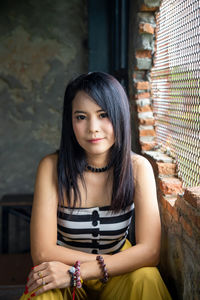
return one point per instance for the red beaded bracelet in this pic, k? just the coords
(100, 260)
(74, 272)
(76, 281)
(77, 274)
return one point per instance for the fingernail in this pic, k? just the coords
(33, 295)
(34, 267)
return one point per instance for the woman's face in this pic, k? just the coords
(92, 127)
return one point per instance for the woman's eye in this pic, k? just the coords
(103, 115)
(81, 117)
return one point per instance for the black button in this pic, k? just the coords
(95, 233)
(94, 251)
(95, 218)
(95, 215)
(94, 223)
(95, 244)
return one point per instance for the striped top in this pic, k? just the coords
(93, 230)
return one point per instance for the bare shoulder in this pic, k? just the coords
(139, 161)
(46, 180)
(140, 165)
(49, 162)
(47, 168)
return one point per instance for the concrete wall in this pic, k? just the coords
(43, 45)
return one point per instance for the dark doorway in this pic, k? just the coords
(108, 37)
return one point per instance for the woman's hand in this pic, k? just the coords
(48, 276)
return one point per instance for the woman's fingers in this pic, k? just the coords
(36, 276)
(48, 275)
(40, 282)
(43, 289)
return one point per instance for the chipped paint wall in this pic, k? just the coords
(42, 46)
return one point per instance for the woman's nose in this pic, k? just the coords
(93, 126)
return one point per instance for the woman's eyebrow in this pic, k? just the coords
(79, 112)
(84, 112)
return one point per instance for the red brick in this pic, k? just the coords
(175, 228)
(143, 7)
(145, 95)
(147, 121)
(140, 75)
(144, 108)
(192, 195)
(166, 168)
(195, 220)
(170, 186)
(142, 85)
(166, 218)
(143, 54)
(147, 132)
(186, 226)
(147, 146)
(146, 28)
(163, 201)
(171, 209)
(188, 210)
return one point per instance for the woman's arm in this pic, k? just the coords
(44, 219)
(51, 261)
(44, 232)
(147, 226)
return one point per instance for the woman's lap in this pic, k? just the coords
(142, 284)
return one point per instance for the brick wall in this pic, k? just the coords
(180, 217)
(179, 207)
(144, 50)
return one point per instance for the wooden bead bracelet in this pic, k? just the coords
(100, 260)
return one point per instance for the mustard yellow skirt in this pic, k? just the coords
(142, 284)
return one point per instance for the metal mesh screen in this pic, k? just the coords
(175, 80)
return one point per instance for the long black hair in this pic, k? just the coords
(108, 93)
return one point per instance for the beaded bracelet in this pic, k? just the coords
(77, 274)
(74, 272)
(71, 272)
(76, 281)
(100, 260)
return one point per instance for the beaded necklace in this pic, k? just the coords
(97, 170)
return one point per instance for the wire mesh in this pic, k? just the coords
(175, 81)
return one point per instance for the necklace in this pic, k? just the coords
(97, 170)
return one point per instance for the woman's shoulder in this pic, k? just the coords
(138, 160)
(140, 164)
(48, 162)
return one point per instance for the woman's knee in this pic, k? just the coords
(147, 283)
(144, 275)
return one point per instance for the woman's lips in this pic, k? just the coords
(93, 141)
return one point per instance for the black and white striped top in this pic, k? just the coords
(93, 230)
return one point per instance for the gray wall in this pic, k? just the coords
(43, 44)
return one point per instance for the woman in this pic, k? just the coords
(83, 203)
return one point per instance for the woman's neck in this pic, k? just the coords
(98, 161)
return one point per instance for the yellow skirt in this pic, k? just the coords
(142, 284)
